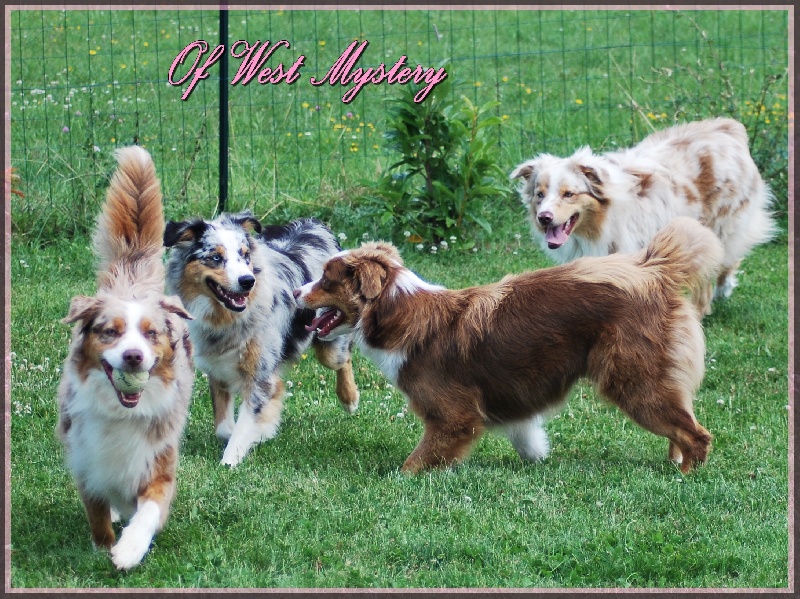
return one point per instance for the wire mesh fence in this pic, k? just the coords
(83, 82)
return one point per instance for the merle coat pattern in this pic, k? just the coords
(237, 279)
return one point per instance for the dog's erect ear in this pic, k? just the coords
(82, 308)
(370, 276)
(246, 221)
(173, 304)
(523, 171)
(183, 232)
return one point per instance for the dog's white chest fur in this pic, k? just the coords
(388, 361)
(110, 451)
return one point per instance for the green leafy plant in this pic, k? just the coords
(448, 168)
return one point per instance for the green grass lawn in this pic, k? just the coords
(324, 504)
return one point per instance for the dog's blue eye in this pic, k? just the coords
(540, 195)
(568, 194)
(216, 258)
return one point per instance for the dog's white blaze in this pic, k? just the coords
(408, 282)
(304, 291)
(132, 339)
(235, 264)
(137, 536)
(529, 438)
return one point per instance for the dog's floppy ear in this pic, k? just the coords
(370, 275)
(591, 174)
(173, 304)
(246, 221)
(184, 231)
(524, 170)
(82, 308)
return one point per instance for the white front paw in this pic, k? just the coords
(137, 536)
(130, 550)
(233, 455)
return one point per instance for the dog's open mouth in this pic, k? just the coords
(232, 301)
(128, 400)
(327, 320)
(557, 236)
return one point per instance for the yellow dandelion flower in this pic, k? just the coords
(375, 146)
(113, 140)
(123, 66)
(651, 116)
(478, 84)
(528, 90)
(505, 79)
(92, 52)
(321, 42)
(419, 43)
(146, 45)
(306, 104)
(505, 117)
(578, 101)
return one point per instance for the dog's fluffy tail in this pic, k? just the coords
(687, 253)
(130, 230)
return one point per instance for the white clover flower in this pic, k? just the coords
(342, 236)
(406, 234)
(420, 247)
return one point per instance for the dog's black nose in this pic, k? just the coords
(545, 218)
(132, 357)
(246, 282)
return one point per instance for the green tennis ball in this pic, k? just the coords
(130, 382)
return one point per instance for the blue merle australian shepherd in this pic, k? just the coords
(236, 278)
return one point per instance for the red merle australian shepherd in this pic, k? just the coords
(499, 355)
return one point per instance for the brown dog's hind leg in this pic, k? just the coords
(689, 441)
(336, 356)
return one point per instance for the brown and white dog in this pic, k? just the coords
(594, 205)
(127, 381)
(500, 355)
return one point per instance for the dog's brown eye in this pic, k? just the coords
(568, 194)
(109, 333)
(540, 195)
(152, 334)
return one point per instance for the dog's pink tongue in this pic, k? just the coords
(556, 236)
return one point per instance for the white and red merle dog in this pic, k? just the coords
(127, 381)
(237, 277)
(593, 205)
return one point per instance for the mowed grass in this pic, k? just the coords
(324, 505)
